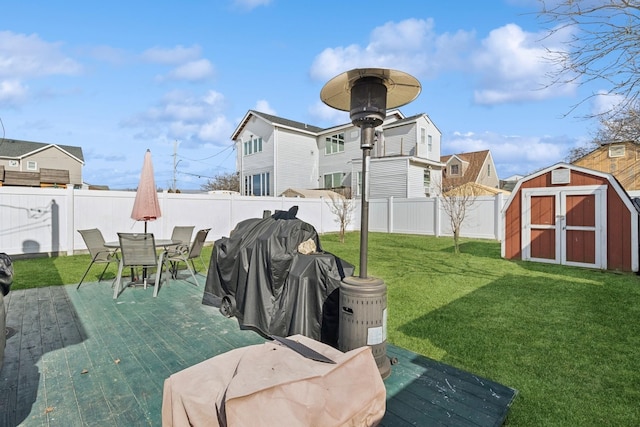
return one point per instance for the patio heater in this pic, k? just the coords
(367, 93)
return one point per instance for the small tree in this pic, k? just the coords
(456, 202)
(227, 181)
(342, 207)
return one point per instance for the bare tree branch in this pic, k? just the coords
(229, 182)
(603, 46)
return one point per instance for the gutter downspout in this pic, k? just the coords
(240, 152)
(275, 160)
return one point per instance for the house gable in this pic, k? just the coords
(476, 167)
(621, 159)
(40, 164)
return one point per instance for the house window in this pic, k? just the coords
(427, 182)
(488, 170)
(616, 151)
(13, 163)
(32, 165)
(257, 185)
(334, 144)
(430, 144)
(423, 136)
(254, 145)
(455, 169)
(333, 180)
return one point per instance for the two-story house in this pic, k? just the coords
(476, 168)
(276, 154)
(36, 164)
(620, 159)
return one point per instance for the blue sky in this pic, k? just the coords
(119, 77)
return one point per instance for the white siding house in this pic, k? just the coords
(276, 154)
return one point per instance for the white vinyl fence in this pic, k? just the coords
(40, 220)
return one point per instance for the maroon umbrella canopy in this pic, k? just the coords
(146, 206)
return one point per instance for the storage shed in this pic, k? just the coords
(566, 214)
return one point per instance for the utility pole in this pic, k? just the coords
(175, 164)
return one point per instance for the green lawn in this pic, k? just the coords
(568, 339)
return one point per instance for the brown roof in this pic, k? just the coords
(475, 160)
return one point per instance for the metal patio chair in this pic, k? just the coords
(139, 250)
(182, 233)
(100, 254)
(188, 254)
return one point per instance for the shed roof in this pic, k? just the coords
(610, 178)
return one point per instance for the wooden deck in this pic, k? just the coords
(80, 358)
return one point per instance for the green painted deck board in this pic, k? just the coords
(129, 346)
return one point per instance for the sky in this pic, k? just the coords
(117, 78)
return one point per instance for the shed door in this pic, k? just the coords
(565, 226)
(579, 229)
(542, 229)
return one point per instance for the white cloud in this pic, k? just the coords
(605, 102)
(322, 112)
(410, 45)
(172, 56)
(193, 120)
(509, 65)
(192, 71)
(513, 154)
(514, 66)
(248, 5)
(23, 56)
(12, 92)
(264, 107)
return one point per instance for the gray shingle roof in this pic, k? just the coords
(16, 148)
(287, 122)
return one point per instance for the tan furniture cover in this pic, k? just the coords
(271, 385)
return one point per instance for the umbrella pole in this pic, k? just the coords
(144, 269)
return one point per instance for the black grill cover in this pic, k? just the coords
(277, 290)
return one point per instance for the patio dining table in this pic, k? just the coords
(159, 243)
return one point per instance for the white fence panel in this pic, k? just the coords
(378, 215)
(31, 222)
(414, 216)
(37, 220)
(480, 219)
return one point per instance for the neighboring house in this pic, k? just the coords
(620, 159)
(275, 154)
(509, 183)
(475, 189)
(304, 193)
(36, 164)
(476, 167)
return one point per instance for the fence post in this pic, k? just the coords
(497, 207)
(70, 209)
(390, 209)
(436, 217)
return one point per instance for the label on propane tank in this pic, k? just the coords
(375, 336)
(378, 335)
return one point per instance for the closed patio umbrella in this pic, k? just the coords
(146, 206)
